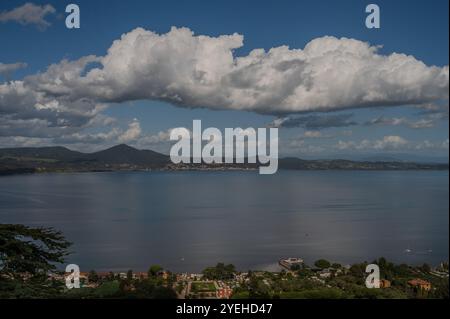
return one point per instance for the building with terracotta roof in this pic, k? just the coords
(420, 284)
(384, 283)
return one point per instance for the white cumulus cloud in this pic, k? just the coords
(29, 13)
(189, 70)
(201, 71)
(7, 69)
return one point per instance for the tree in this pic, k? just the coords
(304, 273)
(220, 272)
(441, 290)
(163, 293)
(129, 275)
(110, 276)
(31, 254)
(322, 264)
(258, 289)
(93, 276)
(154, 270)
(425, 268)
(144, 288)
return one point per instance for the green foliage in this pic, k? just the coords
(241, 295)
(27, 255)
(320, 293)
(107, 290)
(163, 293)
(129, 275)
(31, 251)
(425, 268)
(200, 286)
(258, 289)
(154, 270)
(322, 264)
(220, 272)
(305, 273)
(93, 276)
(441, 290)
(336, 266)
(144, 288)
(35, 287)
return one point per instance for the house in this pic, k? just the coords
(163, 274)
(105, 274)
(223, 291)
(241, 277)
(123, 275)
(325, 273)
(196, 276)
(182, 277)
(420, 284)
(384, 283)
(291, 263)
(141, 275)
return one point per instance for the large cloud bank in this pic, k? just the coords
(187, 70)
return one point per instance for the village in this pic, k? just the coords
(294, 280)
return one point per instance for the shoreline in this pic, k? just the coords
(31, 171)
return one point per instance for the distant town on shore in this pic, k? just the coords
(296, 280)
(126, 158)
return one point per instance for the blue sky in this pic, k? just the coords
(417, 28)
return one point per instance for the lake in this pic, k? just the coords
(186, 221)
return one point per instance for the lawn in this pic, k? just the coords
(200, 286)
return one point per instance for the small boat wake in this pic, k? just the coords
(418, 252)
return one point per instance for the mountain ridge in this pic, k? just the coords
(125, 157)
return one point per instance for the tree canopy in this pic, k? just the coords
(322, 264)
(27, 256)
(220, 272)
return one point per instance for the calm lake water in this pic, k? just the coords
(186, 221)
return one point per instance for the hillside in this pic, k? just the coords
(62, 159)
(124, 157)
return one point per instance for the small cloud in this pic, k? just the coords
(132, 133)
(428, 122)
(29, 14)
(312, 134)
(390, 143)
(7, 69)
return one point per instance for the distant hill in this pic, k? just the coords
(406, 158)
(126, 154)
(56, 153)
(124, 157)
(340, 164)
(62, 159)
(381, 158)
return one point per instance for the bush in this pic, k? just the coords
(322, 264)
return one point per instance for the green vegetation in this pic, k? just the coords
(29, 258)
(27, 255)
(321, 293)
(199, 286)
(93, 277)
(220, 272)
(332, 281)
(154, 270)
(123, 157)
(28, 159)
(28, 269)
(322, 264)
